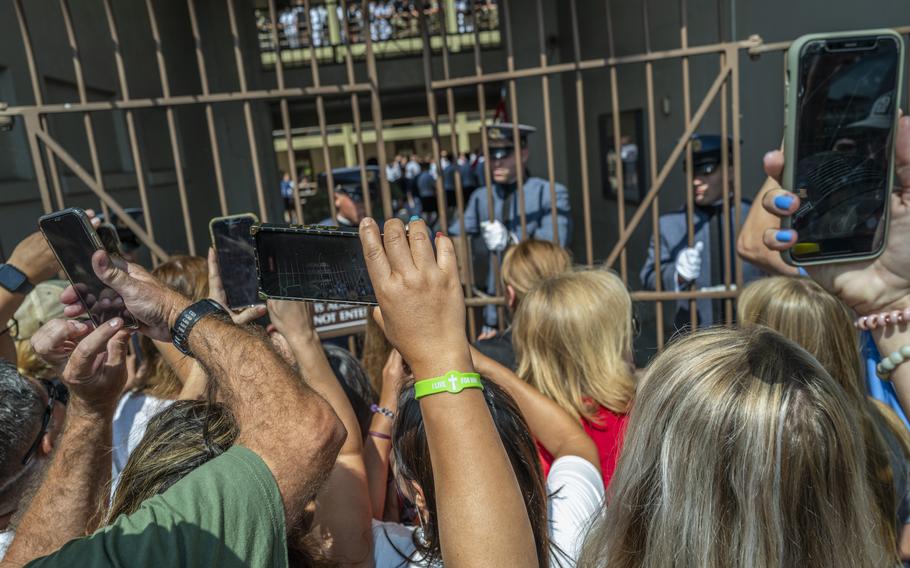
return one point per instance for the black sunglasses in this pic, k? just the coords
(704, 168)
(501, 153)
(56, 391)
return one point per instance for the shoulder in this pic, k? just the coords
(540, 184)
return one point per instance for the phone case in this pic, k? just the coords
(214, 220)
(306, 230)
(93, 236)
(790, 105)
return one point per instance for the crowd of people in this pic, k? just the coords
(201, 438)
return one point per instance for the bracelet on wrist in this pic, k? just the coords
(452, 382)
(883, 319)
(888, 364)
(380, 435)
(376, 409)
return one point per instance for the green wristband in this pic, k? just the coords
(453, 382)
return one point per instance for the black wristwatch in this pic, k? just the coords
(14, 280)
(180, 333)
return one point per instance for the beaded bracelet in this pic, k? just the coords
(883, 319)
(376, 409)
(380, 435)
(888, 364)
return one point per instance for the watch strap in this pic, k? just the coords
(188, 318)
(452, 382)
(24, 286)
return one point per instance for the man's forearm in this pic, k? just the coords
(291, 427)
(68, 503)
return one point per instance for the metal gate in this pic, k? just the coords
(48, 154)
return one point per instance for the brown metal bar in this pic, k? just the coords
(617, 147)
(172, 130)
(652, 167)
(687, 112)
(516, 137)
(582, 141)
(247, 114)
(83, 98)
(434, 117)
(320, 114)
(32, 127)
(668, 165)
(466, 272)
(39, 98)
(130, 125)
(647, 295)
(285, 115)
(485, 146)
(548, 121)
(183, 100)
(209, 111)
(144, 236)
(725, 179)
(732, 61)
(355, 106)
(376, 111)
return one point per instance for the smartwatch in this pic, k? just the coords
(14, 280)
(180, 333)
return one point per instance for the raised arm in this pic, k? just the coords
(481, 514)
(552, 426)
(261, 390)
(343, 503)
(66, 505)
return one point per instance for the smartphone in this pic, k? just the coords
(233, 244)
(843, 92)
(73, 241)
(107, 233)
(311, 262)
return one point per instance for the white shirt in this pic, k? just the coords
(576, 493)
(134, 410)
(6, 539)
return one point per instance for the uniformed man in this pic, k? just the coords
(701, 265)
(349, 203)
(505, 227)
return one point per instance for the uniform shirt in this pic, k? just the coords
(227, 512)
(674, 238)
(539, 220)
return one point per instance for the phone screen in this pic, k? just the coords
(311, 266)
(236, 260)
(68, 235)
(846, 104)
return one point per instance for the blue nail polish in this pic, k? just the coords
(414, 218)
(783, 202)
(784, 236)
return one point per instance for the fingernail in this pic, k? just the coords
(114, 322)
(783, 201)
(438, 234)
(79, 325)
(784, 236)
(768, 155)
(366, 221)
(414, 218)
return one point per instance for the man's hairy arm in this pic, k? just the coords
(292, 428)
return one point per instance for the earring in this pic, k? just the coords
(419, 532)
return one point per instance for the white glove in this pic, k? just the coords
(495, 235)
(688, 262)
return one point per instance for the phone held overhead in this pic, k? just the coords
(233, 243)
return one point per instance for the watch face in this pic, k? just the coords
(11, 278)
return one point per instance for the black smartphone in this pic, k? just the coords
(842, 110)
(236, 260)
(71, 237)
(107, 233)
(311, 263)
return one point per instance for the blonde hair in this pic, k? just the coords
(804, 312)
(573, 340)
(188, 275)
(740, 451)
(530, 262)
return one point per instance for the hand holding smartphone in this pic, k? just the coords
(233, 244)
(842, 112)
(70, 235)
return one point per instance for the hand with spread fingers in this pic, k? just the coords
(422, 301)
(153, 305)
(868, 286)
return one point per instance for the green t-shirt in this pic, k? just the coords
(225, 513)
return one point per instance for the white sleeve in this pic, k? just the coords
(576, 493)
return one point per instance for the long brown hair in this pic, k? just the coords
(804, 312)
(741, 450)
(189, 276)
(412, 460)
(573, 339)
